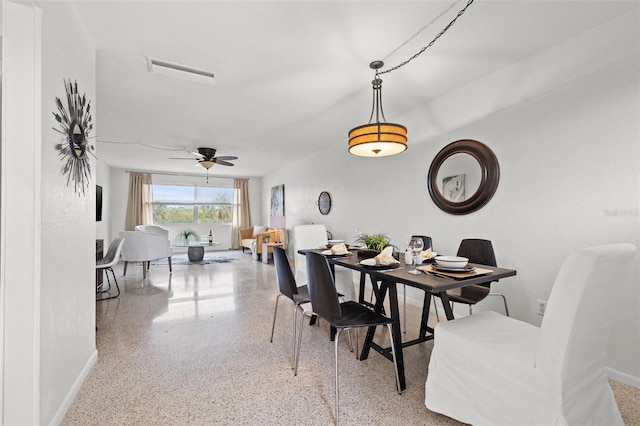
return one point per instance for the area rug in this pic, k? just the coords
(183, 259)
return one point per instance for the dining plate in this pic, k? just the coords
(334, 242)
(380, 267)
(332, 256)
(437, 267)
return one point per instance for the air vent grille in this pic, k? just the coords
(183, 72)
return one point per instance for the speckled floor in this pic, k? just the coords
(193, 348)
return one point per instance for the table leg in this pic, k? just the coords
(368, 340)
(426, 306)
(361, 288)
(397, 334)
(375, 291)
(447, 305)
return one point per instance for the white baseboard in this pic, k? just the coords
(68, 400)
(623, 378)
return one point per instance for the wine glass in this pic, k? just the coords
(415, 245)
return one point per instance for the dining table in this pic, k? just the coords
(384, 281)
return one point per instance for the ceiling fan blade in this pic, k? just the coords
(182, 158)
(222, 162)
(197, 154)
(225, 158)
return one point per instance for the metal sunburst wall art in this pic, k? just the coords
(76, 125)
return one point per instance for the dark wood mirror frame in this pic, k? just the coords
(324, 203)
(489, 170)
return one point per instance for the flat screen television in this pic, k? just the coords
(98, 203)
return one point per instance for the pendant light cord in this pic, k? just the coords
(440, 34)
(422, 29)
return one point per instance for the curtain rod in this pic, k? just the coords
(185, 174)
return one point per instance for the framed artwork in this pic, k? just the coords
(324, 203)
(453, 188)
(277, 201)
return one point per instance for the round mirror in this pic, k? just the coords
(77, 141)
(463, 177)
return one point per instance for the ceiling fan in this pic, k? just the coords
(207, 159)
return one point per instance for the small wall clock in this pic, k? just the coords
(75, 122)
(324, 203)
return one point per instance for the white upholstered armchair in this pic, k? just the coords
(146, 243)
(491, 369)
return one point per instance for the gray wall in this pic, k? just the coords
(564, 126)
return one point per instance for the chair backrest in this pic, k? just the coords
(153, 229)
(140, 246)
(478, 251)
(284, 274)
(426, 240)
(307, 237)
(322, 289)
(111, 258)
(575, 328)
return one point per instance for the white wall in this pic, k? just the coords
(20, 237)
(67, 323)
(565, 131)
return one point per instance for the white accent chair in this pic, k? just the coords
(491, 369)
(107, 263)
(153, 229)
(146, 243)
(313, 237)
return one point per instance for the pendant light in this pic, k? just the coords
(377, 139)
(381, 139)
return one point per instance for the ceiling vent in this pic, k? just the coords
(183, 72)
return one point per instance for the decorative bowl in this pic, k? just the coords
(452, 261)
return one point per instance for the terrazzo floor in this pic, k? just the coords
(192, 348)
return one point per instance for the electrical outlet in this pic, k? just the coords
(541, 306)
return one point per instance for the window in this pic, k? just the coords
(191, 204)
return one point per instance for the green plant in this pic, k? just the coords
(187, 234)
(375, 242)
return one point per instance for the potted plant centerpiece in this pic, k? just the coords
(186, 235)
(371, 244)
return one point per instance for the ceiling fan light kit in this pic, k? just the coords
(207, 159)
(206, 164)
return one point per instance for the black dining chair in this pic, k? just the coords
(345, 315)
(288, 288)
(481, 252)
